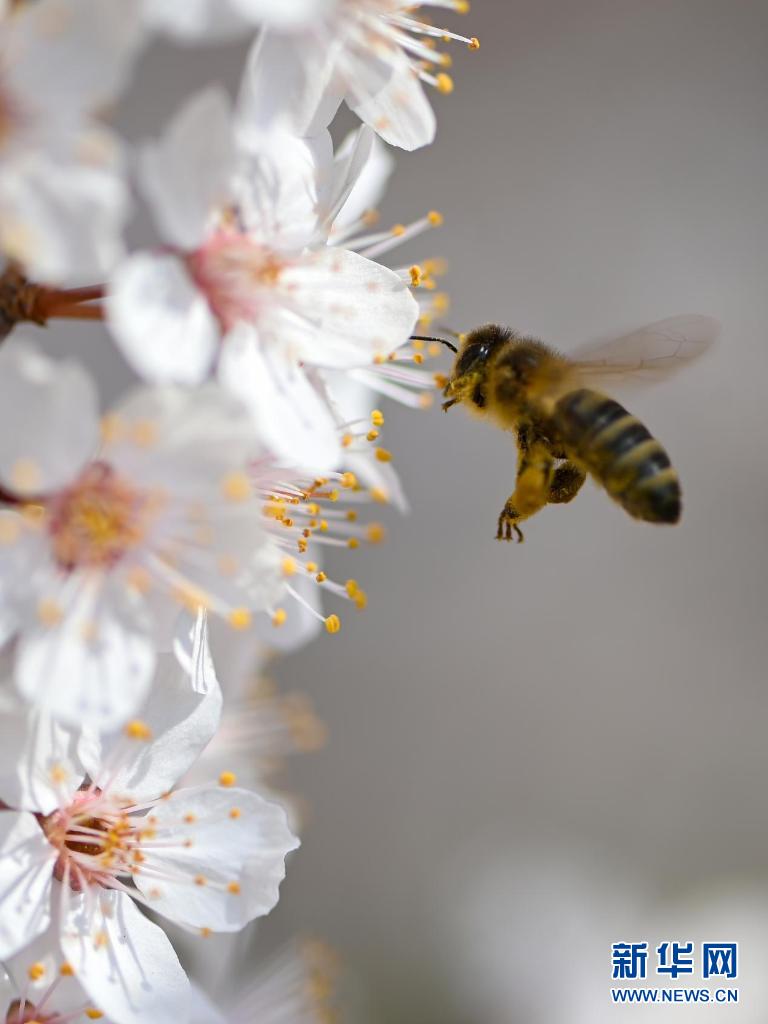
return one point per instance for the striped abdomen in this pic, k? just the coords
(620, 454)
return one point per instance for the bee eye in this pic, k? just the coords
(472, 354)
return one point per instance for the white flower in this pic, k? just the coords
(295, 986)
(375, 54)
(206, 20)
(62, 197)
(249, 286)
(209, 858)
(110, 541)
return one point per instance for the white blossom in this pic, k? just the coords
(110, 539)
(206, 20)
(249, 287)
(62, 195)
(375, 54)
(210, 858)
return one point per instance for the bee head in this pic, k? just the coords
(469, 377)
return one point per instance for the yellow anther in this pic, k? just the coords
(434, 217)
(351, 587)
(236, 487)
(289, 566)
(201, 880)
(188, 844)
(375, 533)
(321, 577)
(378, 359)
(434, 350)
(233, 888)
(398, 230)
(301, 544)
(351, 516)
(426, 400)
(347, 440)
(446, 60)
(462, 6)
(379, 495)
(377, 418)
(323, 526)
(353, 543)
(138, 730)
(205, 933)
(370, 217)
(418, 358)
(93, 1014)
(333, 623)
(234, 812)
(227, 779)
(440, 380)
(418, 345)
(239, 618)
(416, 275)
(348, 480)
(312, 567)
(58, 773)
(361, 600)
(474, 43)
(36, 971)
(144, 433)
(383, 455)
(441, 302)
(190, 818)
(66, 970)
(278, 619)
(49, 612)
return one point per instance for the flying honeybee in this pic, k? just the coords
(565, 427)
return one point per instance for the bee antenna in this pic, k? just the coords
(441, 341)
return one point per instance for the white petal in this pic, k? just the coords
(275, 187)
(184, 174)
(195, 20)
(61, 217)
(369, 187)
(162, 323)
(70, 55)
(191, 648)
(291, 83)
(39, 764)
(237, 837)
(342, 172)
(123, 961)
(300, 626)
(398, 110)
(351, 310)
(182, 723)
(50, 417)
(204, 1010)
(289, 415)
(26, 876)
(288, 14)
(95, 665)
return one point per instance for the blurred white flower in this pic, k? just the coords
(209, 858)
(295, 986)
(62, 196)
(375, 54)
(250, 286)
(207, 20)
(110, 541)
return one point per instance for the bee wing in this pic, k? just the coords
(648, 355)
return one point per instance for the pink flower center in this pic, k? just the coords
(96, 838)
(96, 520)
(237, 275)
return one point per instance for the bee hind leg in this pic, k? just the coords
(507, 523)
(535, 476)
(566, 483)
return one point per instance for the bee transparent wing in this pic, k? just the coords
(648, 355)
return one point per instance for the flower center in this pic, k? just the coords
(95, 838)
(237, 276)
(96, 520)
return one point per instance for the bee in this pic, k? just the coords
(567, 429)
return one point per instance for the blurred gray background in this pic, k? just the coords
(601, 689)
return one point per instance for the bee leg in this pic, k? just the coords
(566, 483)
(535, 473)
